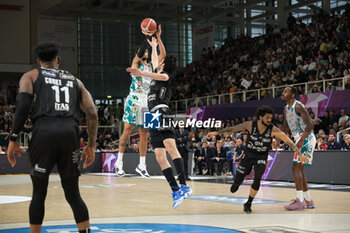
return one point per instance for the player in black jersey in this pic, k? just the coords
(163, 140)
(258, 145)
(54, 98)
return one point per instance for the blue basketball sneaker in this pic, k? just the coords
(186, 190)
(178, 197)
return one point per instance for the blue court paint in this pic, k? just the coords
(232, 199)
(129, 228)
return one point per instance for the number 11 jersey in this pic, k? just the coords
(56, 94)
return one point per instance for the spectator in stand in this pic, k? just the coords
(321, 143)
(317, 124)
(346, 145)
(82, 143)
(207, 154)
(239, 152)
(343, 116)
(332, 117)
(219, 157)
(99, 142)
(332, 143)
(343, 126)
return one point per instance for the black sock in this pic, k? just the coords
(180, 169)
(168, 173)
(87, 230)
(250, 199)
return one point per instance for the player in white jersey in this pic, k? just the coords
(297, 119)
(135, 104)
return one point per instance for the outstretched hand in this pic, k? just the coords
(159, 31)
(153, 43)
(11, 150)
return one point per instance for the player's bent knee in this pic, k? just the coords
(256, 184)
(234, 188)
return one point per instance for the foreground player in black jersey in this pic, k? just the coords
(258, 145)
(55, 114)
(163, 140)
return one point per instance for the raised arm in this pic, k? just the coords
(154, 57)
(161, 45)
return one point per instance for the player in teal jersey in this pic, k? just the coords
(298, 121)
(136, 104)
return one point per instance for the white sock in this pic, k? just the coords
(300, 195)
(119, 162)
(142, 163)
(307, 196)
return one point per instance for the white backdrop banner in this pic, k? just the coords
(203, 37)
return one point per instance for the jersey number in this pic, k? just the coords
(57, 93)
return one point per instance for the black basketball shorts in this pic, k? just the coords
(159, 135)
(55, 141)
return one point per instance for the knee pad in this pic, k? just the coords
(36, 208)
(256, 184)
(234, 188)
(71, 191)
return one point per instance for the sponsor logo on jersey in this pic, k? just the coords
(261, 161)
(48, 73)
(67, 76)
(266, 139)
(39, 169)
(61, 107)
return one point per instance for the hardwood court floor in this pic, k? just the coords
(132, 199)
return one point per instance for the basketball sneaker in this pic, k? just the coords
(247, 207)
(309, 205)
(187, 190)
(178, 197)
(295, 205)
(119, 171)
(143, 172)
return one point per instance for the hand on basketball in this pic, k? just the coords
(159, 31)
(89, 155)
(211, 134)
(134, 71)
(153, 43)
(11, 150)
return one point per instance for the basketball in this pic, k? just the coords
(148, 25)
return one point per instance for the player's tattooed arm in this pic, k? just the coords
(88, 106)
(276, 132)
(282, 136)
(241, 127)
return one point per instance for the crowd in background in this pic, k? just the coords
(300, 53)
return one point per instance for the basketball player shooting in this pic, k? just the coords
(136, 103)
